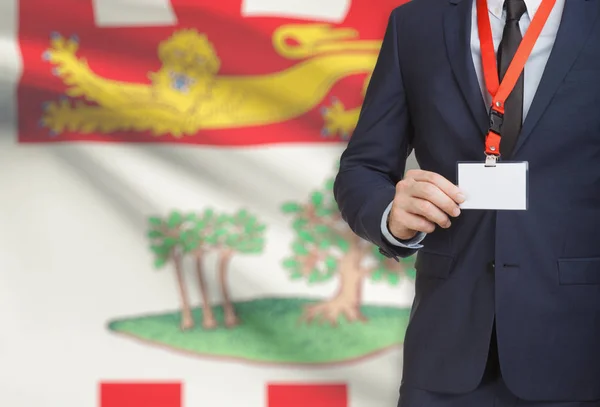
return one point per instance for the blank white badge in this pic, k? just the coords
(502, 187)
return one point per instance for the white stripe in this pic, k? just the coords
(334, 11)
(10, 70)
(124, 13)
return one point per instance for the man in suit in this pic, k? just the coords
(507, 304)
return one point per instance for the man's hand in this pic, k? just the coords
(423, 200)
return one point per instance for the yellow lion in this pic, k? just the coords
(187, 94)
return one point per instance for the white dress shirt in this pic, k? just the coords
(534, 68)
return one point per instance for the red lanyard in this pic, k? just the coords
(501, 91)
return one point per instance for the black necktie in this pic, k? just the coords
(513, 107)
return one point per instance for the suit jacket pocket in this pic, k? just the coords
(579, 271)
(433, 265)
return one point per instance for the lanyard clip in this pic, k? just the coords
(492, 140)
(496, 121)
(490, 160)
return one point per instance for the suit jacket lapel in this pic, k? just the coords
(577, 21)
(457, 33)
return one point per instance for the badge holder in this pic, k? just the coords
(494, 185)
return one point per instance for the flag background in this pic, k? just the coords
(74, 211)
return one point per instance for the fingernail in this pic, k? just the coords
(456, 212)
(447, 225)
(461, 198)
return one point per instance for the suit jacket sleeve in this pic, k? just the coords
(375, 158)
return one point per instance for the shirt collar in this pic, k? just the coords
(496, 7)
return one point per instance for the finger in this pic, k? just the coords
(429, 211)
(442, 183)
(433, 194)
(412, 222)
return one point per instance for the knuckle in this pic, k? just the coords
(429, 189)
(430, 176)
(436, 177)
(400, 185)
(424, 206)
(411, 173)
(404, 186)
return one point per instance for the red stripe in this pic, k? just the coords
(304, 395)
(140, 395)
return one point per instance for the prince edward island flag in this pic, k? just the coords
(168, 232)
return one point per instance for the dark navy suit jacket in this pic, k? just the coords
(544, 291)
